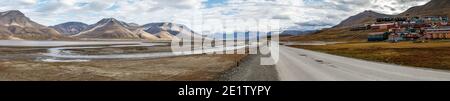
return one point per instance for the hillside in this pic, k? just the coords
(432, 8)
(169, 31)
(144, 35)
(296, 32)
(15, 25)
(341, 32)
(108, 28)
(361, 19)
(331, 34)
(70, 28)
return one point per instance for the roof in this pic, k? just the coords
(383, 24)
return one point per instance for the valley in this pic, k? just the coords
(108, 50)
(107, 61)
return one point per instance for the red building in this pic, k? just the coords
(385, 26)
(437, 33)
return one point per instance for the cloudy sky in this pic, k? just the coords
(293, 14)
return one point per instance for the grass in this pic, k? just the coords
(333, 35)
(434, 55)
(9, 50)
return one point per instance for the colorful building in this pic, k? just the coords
(437, 33)
(378, 36)
(382, 27)
(410, 28)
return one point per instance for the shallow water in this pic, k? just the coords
(60, 51)
(61, 60)
(61, 54)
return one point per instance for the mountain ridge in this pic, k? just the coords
(70, 28)
(15, 25)
(108, 28)
(432, 8)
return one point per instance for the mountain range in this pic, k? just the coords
(432, 8)
(14, 25)
(108, 28)
(70, 28)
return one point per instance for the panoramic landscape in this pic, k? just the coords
(108, 50)
(416, 38)
(407, 43)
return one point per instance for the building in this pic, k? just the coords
(378, 36)
(412, 36)
(437, 33)
(396, 37)
(384, 26)
(436, 20)
(410, 28)
(392, 19)
(403, 34)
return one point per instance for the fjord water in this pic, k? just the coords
(58, 50)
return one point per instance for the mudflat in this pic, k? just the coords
(25, 64)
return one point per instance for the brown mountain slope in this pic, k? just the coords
(14, 24)
(144, 35)
(432, 8)
(165, 35)
(70, 28)
(171, 31)
(17, 18)
(108, 28)
(361, 19)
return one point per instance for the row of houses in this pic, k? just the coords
(437, 33)
(412, 28)
(425, 34)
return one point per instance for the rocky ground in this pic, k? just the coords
(250, 70)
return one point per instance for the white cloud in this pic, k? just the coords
(28, 2)
(299, 14)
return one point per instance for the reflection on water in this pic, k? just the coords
(62, 60)
(63, 53)
(27, 43)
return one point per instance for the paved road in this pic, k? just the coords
(304, 65)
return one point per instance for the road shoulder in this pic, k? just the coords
(251, 70)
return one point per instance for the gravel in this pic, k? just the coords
(250, 70)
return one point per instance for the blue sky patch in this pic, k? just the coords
(213, 3)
